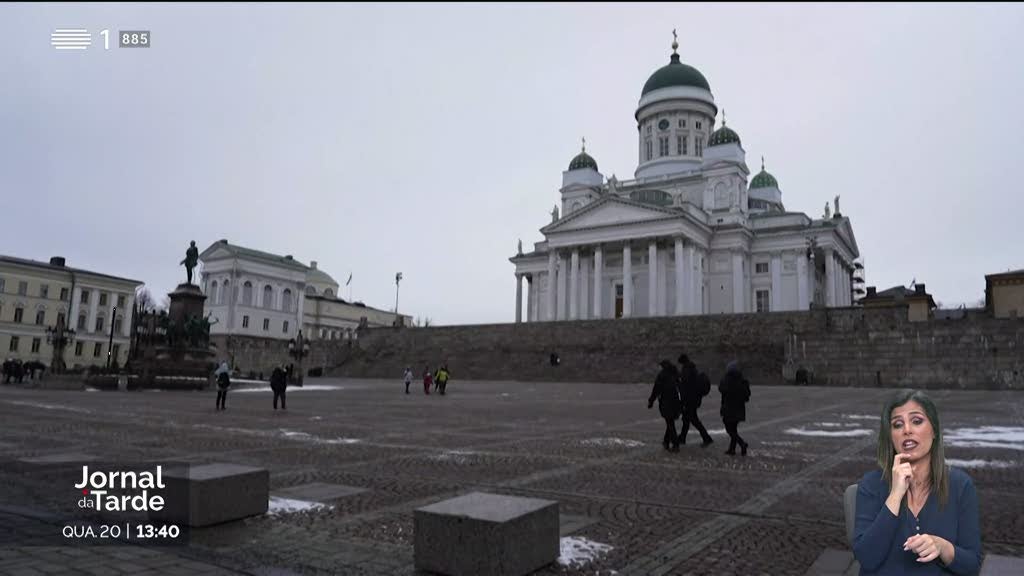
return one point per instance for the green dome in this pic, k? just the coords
(764, 180)
(583, 160)
(723, 135)
(675, 74)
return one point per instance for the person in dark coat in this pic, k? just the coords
(223, 383)
(693, 392)
(279, 384)
(735, 393)
(666, 392)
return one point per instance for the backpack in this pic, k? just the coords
(223, 381)
(705, 384)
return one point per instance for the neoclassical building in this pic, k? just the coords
(254, 293)
(690, 234)
(36, 296)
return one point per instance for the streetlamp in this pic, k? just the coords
(58, 337)
(398, 278)
(110, 344)
(298, 348)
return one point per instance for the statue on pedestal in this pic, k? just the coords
(520, 252)
(554, 213)
(828, 214)
(191, 260)
(837, 204)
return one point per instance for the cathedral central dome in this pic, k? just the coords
(675, 73)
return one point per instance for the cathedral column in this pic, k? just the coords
(563, 276)
(738, 298)
(627, 281)
(776, 265)
(76, 297)
(803, 302)
(681, 276)
(519, 298)
(652, 278)
(584, 288)
(598, 271)
(574, 285)
(529, 298)
(694, 305)
(94, 298)
(830, 278)
(550, 293)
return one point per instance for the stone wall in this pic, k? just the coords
(843, 347)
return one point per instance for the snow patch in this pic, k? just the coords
(860, 417)
(578, 551)
(288, 506)
(457, 456)
(49, 406)
(828, 433)
(612, 442)
(979, 463)
(310, 388)
(1007, 437)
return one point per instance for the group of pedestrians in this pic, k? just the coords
(16, 370)
(437, 379)
(680, 392)
(278, 384)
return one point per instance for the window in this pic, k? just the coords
(63, 294)
(698, 124)
(61, 319)
(35, 345)
(245, 321)
(310, 290)
(120, 301)
(682, 123)
(268, 296)
(698, 145)
(213, 293)
(118, 324)
(761, 268)
(223, 292)
(40, 317)
(662, 146)
(682, 140)
(328, 293)
(648, 127)
(322, 332)
(285, 327)
(84, 298)
(18, 312)
(96, 349)
(2, 282)
(762, 301)
(266, 324)
(286, 300)
(115, 351)
(103, 298)
(247, 294)
(44, 291)
(99, 324)
(81, 322)
(78, 348)
(22, 288)
(14, 344)
(649, 149)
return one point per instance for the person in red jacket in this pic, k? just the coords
(428, 379)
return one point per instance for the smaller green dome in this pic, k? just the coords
(583, 160)
(763, 179)
(723, 135)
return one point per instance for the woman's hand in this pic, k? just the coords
(928, 547)
(902, 472)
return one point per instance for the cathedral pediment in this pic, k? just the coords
(610, 211)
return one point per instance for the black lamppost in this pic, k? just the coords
(110, 344)
(298, 348)
(58, 337)
(398, 278)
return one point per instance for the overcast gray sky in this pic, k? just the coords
(427, 139)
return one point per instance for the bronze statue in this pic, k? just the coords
(191, 260)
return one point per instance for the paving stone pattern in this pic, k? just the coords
(375, 454)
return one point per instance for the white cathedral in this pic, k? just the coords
(687, 235)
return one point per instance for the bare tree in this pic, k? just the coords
(427, 322)
(144, 300)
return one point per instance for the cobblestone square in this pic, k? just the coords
(595, 448)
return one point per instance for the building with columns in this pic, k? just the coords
(255, 293)
(37, 295)
(687, 235)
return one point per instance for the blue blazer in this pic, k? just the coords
(879, 535)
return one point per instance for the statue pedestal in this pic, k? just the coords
(186, 300)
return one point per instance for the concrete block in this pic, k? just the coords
(482, 533)
(213, 494)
